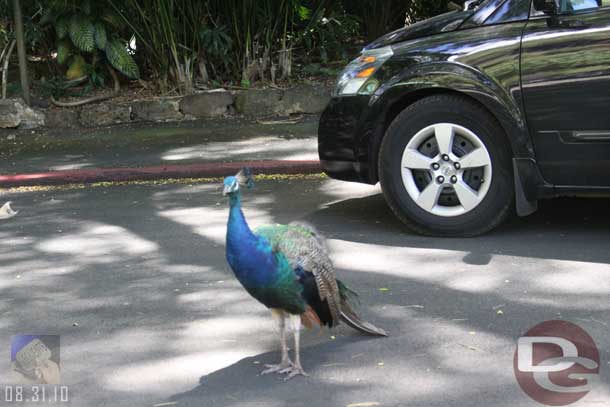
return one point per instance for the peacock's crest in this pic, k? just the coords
(245, 177)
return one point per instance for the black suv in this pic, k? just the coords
(466, 115)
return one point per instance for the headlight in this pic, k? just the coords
(356, 78)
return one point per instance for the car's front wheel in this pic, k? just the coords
(445, 168)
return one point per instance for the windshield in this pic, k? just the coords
(483, 10)
(476, 4)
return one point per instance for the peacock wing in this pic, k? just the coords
(305, 248)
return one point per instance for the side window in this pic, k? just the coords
(571, 6)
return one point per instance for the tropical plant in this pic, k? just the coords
(88, 34)
(328, 33)
(216, 46)
(382, 16)
(179, 43)
(419, 10)
(167, 36)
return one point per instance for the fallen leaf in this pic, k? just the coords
(470, 347)
(384, 289)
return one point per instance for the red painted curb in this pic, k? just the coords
(159, 172)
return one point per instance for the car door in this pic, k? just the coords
(565, 69)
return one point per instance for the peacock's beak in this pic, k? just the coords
(226, 190)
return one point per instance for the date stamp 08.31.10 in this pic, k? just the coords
(35, 373)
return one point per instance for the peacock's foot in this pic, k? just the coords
(283, 367)
(294, 370)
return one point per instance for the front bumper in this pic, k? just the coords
(344, 140)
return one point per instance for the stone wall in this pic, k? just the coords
(302, 99)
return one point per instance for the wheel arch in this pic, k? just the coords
(505, 110)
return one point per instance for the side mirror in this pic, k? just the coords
(548, 7)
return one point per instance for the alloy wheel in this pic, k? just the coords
(446, 169)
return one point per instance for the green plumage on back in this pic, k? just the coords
(305, 249)
(276, 234)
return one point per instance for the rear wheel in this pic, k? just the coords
(445, 168)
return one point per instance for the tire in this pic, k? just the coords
(468, 203)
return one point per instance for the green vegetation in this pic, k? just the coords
(177, 45)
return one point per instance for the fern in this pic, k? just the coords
(121, 60)
(101, 38)
(61, 27)
(82, 33)
(63, 51)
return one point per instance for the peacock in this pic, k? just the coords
(287, 268)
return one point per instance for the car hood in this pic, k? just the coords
(443, 23)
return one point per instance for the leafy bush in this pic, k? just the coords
(88, 33)
(177, 43)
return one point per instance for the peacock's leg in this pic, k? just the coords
(285, 363)
(295, 369)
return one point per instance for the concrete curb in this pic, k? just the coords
(159, 172)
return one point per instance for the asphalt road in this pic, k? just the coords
(146, 145)
(134, 280)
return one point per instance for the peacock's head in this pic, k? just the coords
(231, 184)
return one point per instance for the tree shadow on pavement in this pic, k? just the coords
(141, 270)
(569, 229)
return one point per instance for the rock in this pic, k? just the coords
(208, 104)
(15, 113)
(157, 110)
(308, 99)
(9, 115)
(104, 115)
(259, 102)
(63, 118)
(32, 119)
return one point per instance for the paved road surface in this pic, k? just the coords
(159, 144)
(135, 282)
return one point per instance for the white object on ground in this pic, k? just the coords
(7, 212)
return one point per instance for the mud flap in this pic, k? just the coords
(527, 179)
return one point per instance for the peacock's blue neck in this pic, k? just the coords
(237, 228)
(249, 257)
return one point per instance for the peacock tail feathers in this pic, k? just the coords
(347, 294)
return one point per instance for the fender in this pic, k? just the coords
(424, 80)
